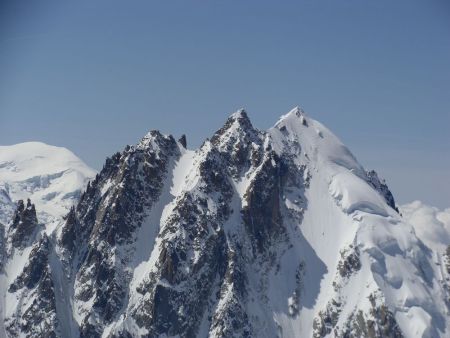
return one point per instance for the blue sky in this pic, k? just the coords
(93, 76)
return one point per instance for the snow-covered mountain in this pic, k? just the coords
(277, 233)
(52, 176)
(431, 225)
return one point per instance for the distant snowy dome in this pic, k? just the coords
(52, 177)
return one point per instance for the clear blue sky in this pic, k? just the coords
(93, 76)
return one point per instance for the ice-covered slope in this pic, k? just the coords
(277, 233)
(7, 205)
(431, 225)
(52, 176)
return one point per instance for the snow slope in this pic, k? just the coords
(431, 225)
(345, 215)
(7, 205)
(53, 177)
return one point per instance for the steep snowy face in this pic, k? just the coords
(7, 206)
(27, 303)
(431, 225)
(277, 233)
(52, 176)
(103, 238)
(378, 275)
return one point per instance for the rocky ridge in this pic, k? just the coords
(255, 234)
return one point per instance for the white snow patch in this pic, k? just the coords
(53, 177)
(182, 168)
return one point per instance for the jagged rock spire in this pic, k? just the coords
(237, 123)
(23, 225)
(240, 115)
(183, 140)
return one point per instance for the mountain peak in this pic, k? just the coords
(297, 110)
(240, 113)
(239, 117)
(295, 114)
(237, 126)
(152, 139)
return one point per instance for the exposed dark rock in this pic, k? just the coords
(447, 255)
(193, 232)
(349, 262)
(183, 141)
(239, 143)
(326, 320)
(295, 299)
(34, 271)
(110, 211)
(261, 214)
(232, 319)
(381, 186)
(24, 224)
(68, 235)
(37, 317)
(379, 323)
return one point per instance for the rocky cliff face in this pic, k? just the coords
(382, 188)
(277, 233)
(23, 226)
(28, 294)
